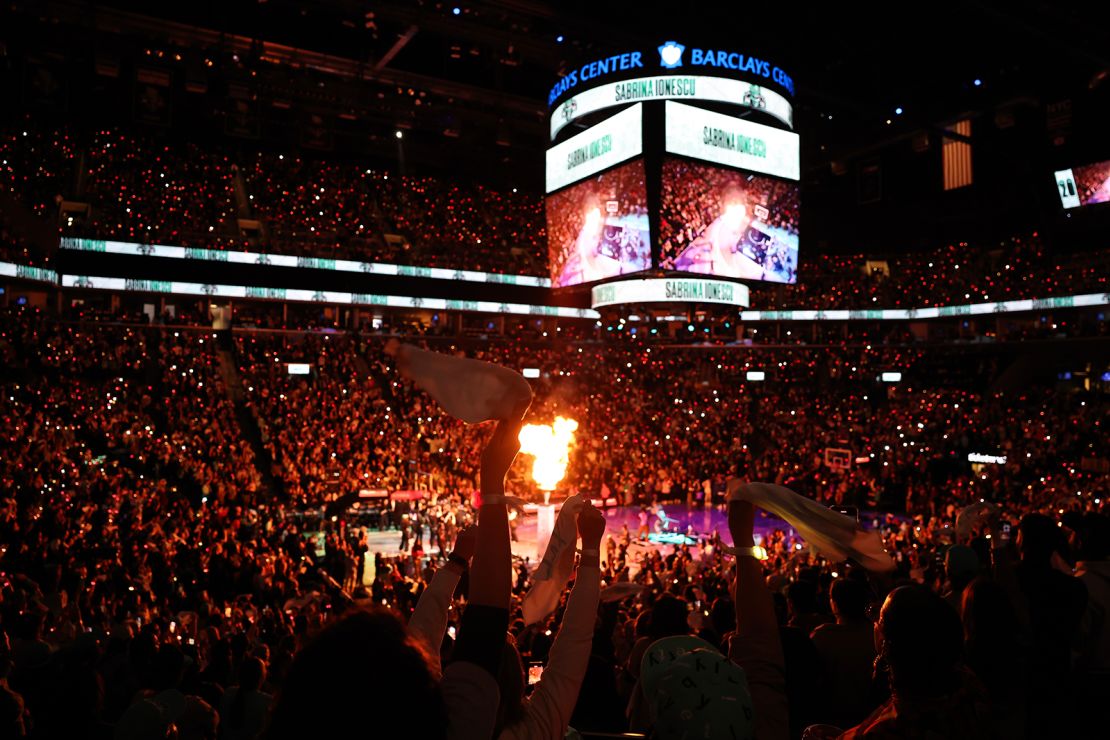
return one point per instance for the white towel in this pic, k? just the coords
(834, 535)
(550, 578)
(472, 391)
(620, 590)
(972, 517)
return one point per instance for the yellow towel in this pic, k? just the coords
(832, 534)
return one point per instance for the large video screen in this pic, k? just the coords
(598, 148)
(1084, 186)
(718, 221)
(731, 141)
(598, 228)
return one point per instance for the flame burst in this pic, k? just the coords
(550, 445)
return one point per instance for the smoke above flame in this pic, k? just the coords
(550, 445)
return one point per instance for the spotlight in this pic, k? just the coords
(978, 82)
(559, 39)
(399, 134)
(456, 11)
(898, 111)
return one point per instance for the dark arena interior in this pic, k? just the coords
(520, 369)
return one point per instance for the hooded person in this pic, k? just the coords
(692, 690)
(961, 565)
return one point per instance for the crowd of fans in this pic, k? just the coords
(364, 427)
(1092, 183)
(138, 189)
(38, 167)
(344, 210)
(697, 196)
(179, 544)
(1020, 268)
(15, 246)
(598, 228)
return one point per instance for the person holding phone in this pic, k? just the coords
(535, 673)
(545, 714)
(368, 664)
(429, 619)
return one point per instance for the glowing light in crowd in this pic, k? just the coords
(550, 445)
(734, 215)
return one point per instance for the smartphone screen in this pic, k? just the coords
(534, 672)
(451, 632)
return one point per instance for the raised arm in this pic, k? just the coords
(755, 609)
(1002, 568)
(554, 697)
(492, 570)
(469, 684)
(429, 620)
(756, 647)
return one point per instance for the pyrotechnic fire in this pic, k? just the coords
(550, 445)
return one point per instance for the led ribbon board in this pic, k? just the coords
(670, 290)
(734, 142)
(288, 260)
(598, 148)
(26, 272)
(692, 87)
(933, 312)
(319, 296)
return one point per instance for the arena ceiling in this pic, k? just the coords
(855, 63)
(470, 86)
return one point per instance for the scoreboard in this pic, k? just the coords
(673, 158)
